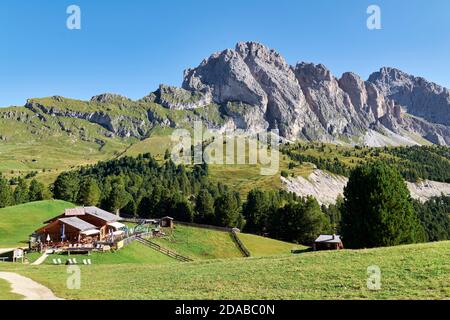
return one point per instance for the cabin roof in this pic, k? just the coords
(73, 212)
(77, 223)
(329, 238)
(101, 214)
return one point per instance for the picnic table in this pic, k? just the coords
(3, 259)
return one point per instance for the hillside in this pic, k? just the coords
(199, 244)
(305, 102)
(419, 271)
(264, 247)
(135, 253)
(18, 223)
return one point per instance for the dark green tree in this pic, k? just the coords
(21, 193)
(6, 194)
(89, 193)
(256, 211)
(378, 210)
(434, 215)
(183, 211)
(226, 210)
(118, 197)
(66, 186)
(300, 221)
(36, 191)
(204, 207)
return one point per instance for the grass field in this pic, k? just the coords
(198, 243)
(263, 247)
(407, 272)
(5, 291)
(18, 223)
(134, 253)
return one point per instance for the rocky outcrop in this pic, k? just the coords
(181, 99)
(109, 98)
(253, 88)
(418, 96)
(326, 187)
(120, 125)
(307, 101)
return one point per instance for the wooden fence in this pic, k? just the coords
(239, 244)
(203, 226)
(165, 251)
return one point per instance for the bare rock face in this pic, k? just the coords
(105, 98)
(181, 99)
(364, 96)
(332, 105)
(308, 102)
(420, 97)
(287, 109)
(326, 188)
(227, 77)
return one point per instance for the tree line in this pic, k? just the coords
(376, 210)
(142, 187)
(19, 191)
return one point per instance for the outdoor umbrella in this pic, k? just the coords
(63, 232)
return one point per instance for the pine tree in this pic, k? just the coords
(36, 191)
(118, 196)
(21, 193)
(90, 193)
(378, 210)
(256, 211)
(66, 186)
(204, 206)
(226, 210)
(6, 194)
(299, 221)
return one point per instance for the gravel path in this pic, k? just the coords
(28, 288)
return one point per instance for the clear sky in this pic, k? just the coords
(131, 46)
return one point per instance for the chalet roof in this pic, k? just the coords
(329, 238)
(73, 212)
(101, 214)
(77, 223)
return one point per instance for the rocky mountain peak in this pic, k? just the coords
(259, 89)
(418, 96)
(310, 72)
(109, 98)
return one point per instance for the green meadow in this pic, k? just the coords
(18, 223)
(420, 271)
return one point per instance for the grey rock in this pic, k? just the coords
(420, 97)
(181, 99)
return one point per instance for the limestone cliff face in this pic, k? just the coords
(308, 102)
(420, 97)
(253, 88)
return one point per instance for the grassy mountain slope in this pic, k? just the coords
(198, 243)
(18, 222)
(420, 271)
(263, 247)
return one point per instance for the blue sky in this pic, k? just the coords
(131, 46)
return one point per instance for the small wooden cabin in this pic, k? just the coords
(166, 222)
(328, 242)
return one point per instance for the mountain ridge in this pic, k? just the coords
(252, 87)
